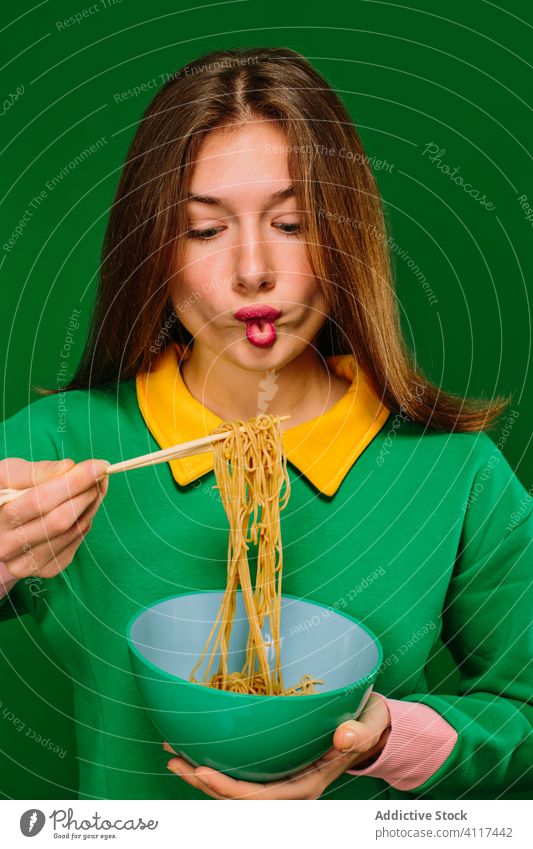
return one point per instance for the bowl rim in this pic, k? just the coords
(368, 679)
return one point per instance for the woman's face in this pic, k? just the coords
(245, 250)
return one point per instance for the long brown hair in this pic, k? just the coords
(134, 320)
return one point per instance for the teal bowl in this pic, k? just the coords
(255, 738)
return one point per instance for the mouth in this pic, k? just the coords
(260, 329)
(259, 311)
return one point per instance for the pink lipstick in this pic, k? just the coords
(260, 329)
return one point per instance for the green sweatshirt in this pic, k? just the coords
(428, 534)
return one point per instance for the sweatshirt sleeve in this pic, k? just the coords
(7, 581)
(488, 627)
(419, 742)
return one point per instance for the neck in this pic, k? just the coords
(303, 389)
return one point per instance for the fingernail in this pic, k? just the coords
(172, 767)
(348, 739)
(98, 468)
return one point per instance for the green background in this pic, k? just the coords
(453, 74)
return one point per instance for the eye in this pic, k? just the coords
(289, 229)
(205, 235)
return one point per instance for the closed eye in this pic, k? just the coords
(292, 229)
(210, 233)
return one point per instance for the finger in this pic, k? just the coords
(33, 560)
(365, 732)
(93, 506)
(103, 484)
(47, 527)
(199, 777)
(42, 499)
(16, 473)
(187, 773)
(311, 782)
(50, 568)
(84, 525)
(307, 784)
(63, 559)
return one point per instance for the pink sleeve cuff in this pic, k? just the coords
(7, 581)
(419, 742)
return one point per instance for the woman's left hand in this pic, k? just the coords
(354, 742)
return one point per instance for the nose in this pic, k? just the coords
(253, 266)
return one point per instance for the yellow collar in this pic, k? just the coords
(324, 448)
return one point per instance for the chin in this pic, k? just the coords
(248, 356)
(275, 356)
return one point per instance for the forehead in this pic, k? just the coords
(244, 159)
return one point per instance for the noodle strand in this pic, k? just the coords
(251, 469)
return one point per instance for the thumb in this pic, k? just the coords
(21, 474)
(365, 732)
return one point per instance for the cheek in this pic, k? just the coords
(198, 282)
(200, 300)
(316, 312)
(294, 267)
(204, 259)
(308, 292)
(291, 254)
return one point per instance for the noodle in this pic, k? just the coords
(250, 469)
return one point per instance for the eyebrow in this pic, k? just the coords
(282, 194)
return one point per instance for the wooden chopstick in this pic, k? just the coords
(184, 449)
(165, 455)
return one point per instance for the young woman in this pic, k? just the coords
(245, 270)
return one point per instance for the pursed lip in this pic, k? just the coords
(259, 311)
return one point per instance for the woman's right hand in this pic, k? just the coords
(41, 530)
